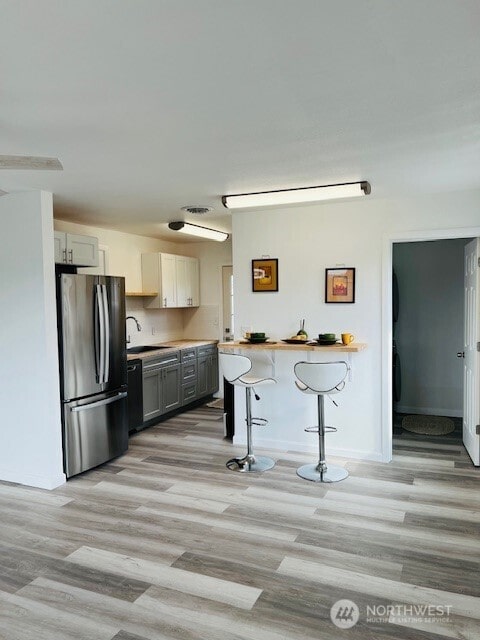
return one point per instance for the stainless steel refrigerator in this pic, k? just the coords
(93, 369)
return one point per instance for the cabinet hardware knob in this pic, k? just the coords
(461, 354)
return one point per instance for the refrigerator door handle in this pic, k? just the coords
(97, 332)
(106, 316)
(99, 403)
(101, 317)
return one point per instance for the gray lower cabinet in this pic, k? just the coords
(161, 385)
(178, 379)
(188, 358)
(207, 370)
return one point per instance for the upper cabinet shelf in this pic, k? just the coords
(141, 294)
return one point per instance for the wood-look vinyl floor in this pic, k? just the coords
(165, 543)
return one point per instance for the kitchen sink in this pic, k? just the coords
(145, 348)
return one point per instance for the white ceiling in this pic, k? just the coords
(156, 104)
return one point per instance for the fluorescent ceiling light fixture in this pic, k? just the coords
(197, 230)
(297, 196)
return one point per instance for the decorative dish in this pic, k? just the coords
(292, 341)
(257, 341)
(324, 343)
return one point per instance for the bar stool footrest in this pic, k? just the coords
(315, 429)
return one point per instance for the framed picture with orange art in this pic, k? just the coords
(265, 275)
(340, 285)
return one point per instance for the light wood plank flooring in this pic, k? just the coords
(165, 543)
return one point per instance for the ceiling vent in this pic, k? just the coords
(197, 211)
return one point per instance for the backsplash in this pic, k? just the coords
(162, 325)
(158, 325)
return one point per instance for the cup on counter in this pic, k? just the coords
(347, 338)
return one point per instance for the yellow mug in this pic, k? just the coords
(347, 338)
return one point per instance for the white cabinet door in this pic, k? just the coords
(183, 288)
(168, 270)
(158, 274)
(187, 281)
(193, 280)
(82, 250)
(174, 277)
(60, 243)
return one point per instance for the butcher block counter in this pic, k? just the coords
(170, 346)
(353, 347)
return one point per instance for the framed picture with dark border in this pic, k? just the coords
(265, 275)
(340, 285)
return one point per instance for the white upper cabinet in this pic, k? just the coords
(176, 278)
(70, 248)
(187, 282)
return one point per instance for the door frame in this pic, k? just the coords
(224, 296)
(389, 239)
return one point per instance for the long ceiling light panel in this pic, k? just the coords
(197, 230)
(296, 196)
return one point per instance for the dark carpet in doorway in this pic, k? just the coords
(428, 425)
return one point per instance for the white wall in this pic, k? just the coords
(31, 450)
(429, 331)
(308, 239)
(124, 259)
(207, 321)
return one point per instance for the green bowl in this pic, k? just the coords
(257, 336)
(327, 336)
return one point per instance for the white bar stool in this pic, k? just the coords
(321, 379)
(234, 368)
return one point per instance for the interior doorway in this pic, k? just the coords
(387, 321)
(228, 308)
(428, 337)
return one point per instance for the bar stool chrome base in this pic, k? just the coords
(313, 472)
(250, 464)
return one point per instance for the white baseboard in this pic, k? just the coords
(429, 411)
(287, 445)
(30, 480)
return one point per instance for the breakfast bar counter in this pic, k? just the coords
(289, 411)
(270, 345)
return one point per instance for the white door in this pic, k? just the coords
(471, 376)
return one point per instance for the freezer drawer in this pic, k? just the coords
(95, 430)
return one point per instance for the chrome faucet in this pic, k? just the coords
(139, 327)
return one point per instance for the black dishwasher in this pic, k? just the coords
(135, 395)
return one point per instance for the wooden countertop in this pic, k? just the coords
(172, 345)
(354, 347)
